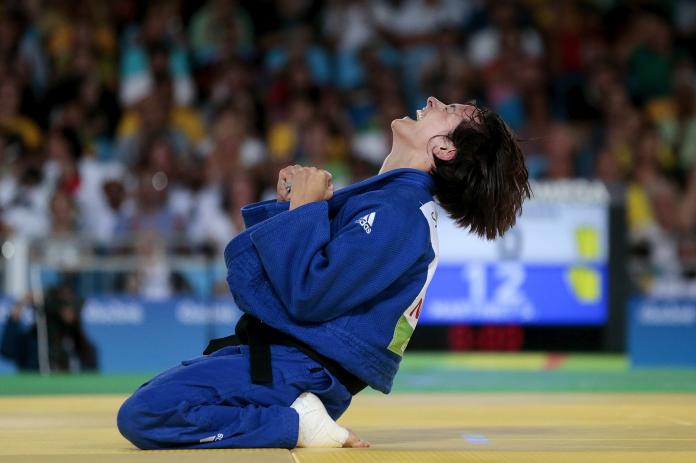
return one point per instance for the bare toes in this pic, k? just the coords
(355, 442)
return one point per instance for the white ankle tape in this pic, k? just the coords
(317, 429)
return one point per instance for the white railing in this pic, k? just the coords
(25, 264)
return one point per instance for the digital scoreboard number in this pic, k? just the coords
(550, 269)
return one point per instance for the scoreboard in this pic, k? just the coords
(552, 268)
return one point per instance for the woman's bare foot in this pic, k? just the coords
(317, 429)
(355, 442)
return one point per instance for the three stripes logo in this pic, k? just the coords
(367, 221)
(214, 438)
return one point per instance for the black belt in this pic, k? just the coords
(259, 336)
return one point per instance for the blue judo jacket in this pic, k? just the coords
(346, 276)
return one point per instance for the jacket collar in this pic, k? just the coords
(392, 177)
(404, 175)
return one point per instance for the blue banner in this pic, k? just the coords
(662, 332)
(137, 335)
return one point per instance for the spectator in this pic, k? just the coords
(69, 349)
(235, 146)
(12, 122)
(678, 126)
(106, 211)
(560, 152)
(220, 29)
(652, 61)
(152, 278)
(233, 86)
(27, 202)
(488, 44)
(64, 151)
(153, 213)
(20, 46)
(324, 149)
(156, 115)
(216, 223)
(153, 52)
(535, 131)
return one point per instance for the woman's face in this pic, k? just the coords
(435, 121)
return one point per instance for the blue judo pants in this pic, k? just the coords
(210, 402)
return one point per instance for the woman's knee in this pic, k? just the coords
(131, 422)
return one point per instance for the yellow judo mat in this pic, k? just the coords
(430, 428)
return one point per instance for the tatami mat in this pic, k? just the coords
(433, 428)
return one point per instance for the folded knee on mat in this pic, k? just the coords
(130, 422)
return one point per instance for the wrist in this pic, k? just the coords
(295, 203)
(301, 201)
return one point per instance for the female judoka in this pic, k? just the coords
(332, 285)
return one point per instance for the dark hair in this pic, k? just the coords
(72, 139)
(484, 185)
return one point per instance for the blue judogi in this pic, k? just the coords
(346, 277)
(210, 402)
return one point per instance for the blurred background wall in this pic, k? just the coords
(131, 133)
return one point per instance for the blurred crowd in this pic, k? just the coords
(145, 125)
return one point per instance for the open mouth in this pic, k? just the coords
(419, 114)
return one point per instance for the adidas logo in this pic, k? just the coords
(366, 222)
(214, 438)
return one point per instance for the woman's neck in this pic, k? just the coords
(400, 158)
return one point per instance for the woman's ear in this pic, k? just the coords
(443, 149)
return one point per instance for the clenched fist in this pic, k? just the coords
(285, 182)
(305, 185)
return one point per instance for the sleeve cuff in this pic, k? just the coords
(258, 212)
(281, 224)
